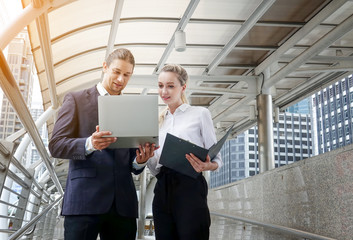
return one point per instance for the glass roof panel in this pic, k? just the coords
(78, 14)
(145, 32)
(200, 33)
(78, 65)
(193, 56)
(154, 8)
(32, 29)
(80, 42)
(43, 80)
(314, 35)
(292, 11)
(140, 70)
(80, 82)
(39, 60)
(225, 9)
(147, 54)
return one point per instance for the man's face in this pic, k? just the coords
(116, 76)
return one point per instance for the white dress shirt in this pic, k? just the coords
(89, 146)
(190, 123)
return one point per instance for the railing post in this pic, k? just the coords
(52, 224)
(6, 153)
(6, 150)
(38, 232)
(47, 224)
(35, 210)
(22, 202)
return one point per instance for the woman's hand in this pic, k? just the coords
(199, 165)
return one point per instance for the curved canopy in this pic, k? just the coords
(235, 50)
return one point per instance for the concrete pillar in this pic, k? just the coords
(265, 132)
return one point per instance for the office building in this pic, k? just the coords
(332, 114)
(292, 142)
(20, 60)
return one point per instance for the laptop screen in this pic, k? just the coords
(133, 119)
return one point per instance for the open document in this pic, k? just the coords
(174, 150)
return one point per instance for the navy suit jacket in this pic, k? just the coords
(96, 180)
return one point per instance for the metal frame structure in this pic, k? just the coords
(238, 52)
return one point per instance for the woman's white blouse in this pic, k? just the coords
(190, 123)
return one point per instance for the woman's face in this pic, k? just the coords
(170, 88)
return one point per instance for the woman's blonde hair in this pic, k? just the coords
(182, 76)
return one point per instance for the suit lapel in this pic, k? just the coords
(92, 101)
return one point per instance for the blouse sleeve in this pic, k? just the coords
(208, 134)
(153, 163)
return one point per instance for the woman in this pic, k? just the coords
(180, 208)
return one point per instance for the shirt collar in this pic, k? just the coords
(182, 108)
(102, 91)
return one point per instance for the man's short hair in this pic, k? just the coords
(122, 54)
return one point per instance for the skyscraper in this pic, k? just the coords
(292, 142)
(332, 114)
(20, 61)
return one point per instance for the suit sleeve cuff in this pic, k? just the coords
(89, 147)
(137, 165)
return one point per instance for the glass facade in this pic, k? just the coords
(333, 112)
(292, 142)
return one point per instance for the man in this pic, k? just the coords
(100, 195)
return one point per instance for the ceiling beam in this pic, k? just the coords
(304, 31)
(244, 29)
(332, 36)
(44, 38)
(229, 110)
(114, 27)
(181, 26)
(336, 68)
(319, 59)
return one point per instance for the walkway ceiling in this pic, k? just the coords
(235, 49)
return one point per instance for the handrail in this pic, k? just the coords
(275, 227)
(20, 232)
(20, 167)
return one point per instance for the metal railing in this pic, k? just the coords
(24, 201)
(34, 221)
(274, 227)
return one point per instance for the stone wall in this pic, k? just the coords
(313, 195)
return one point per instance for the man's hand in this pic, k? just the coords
(199, 165)
(143, 153)
(99, 142)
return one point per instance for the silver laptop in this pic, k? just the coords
(133, 119)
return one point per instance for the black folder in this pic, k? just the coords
(175, 149)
